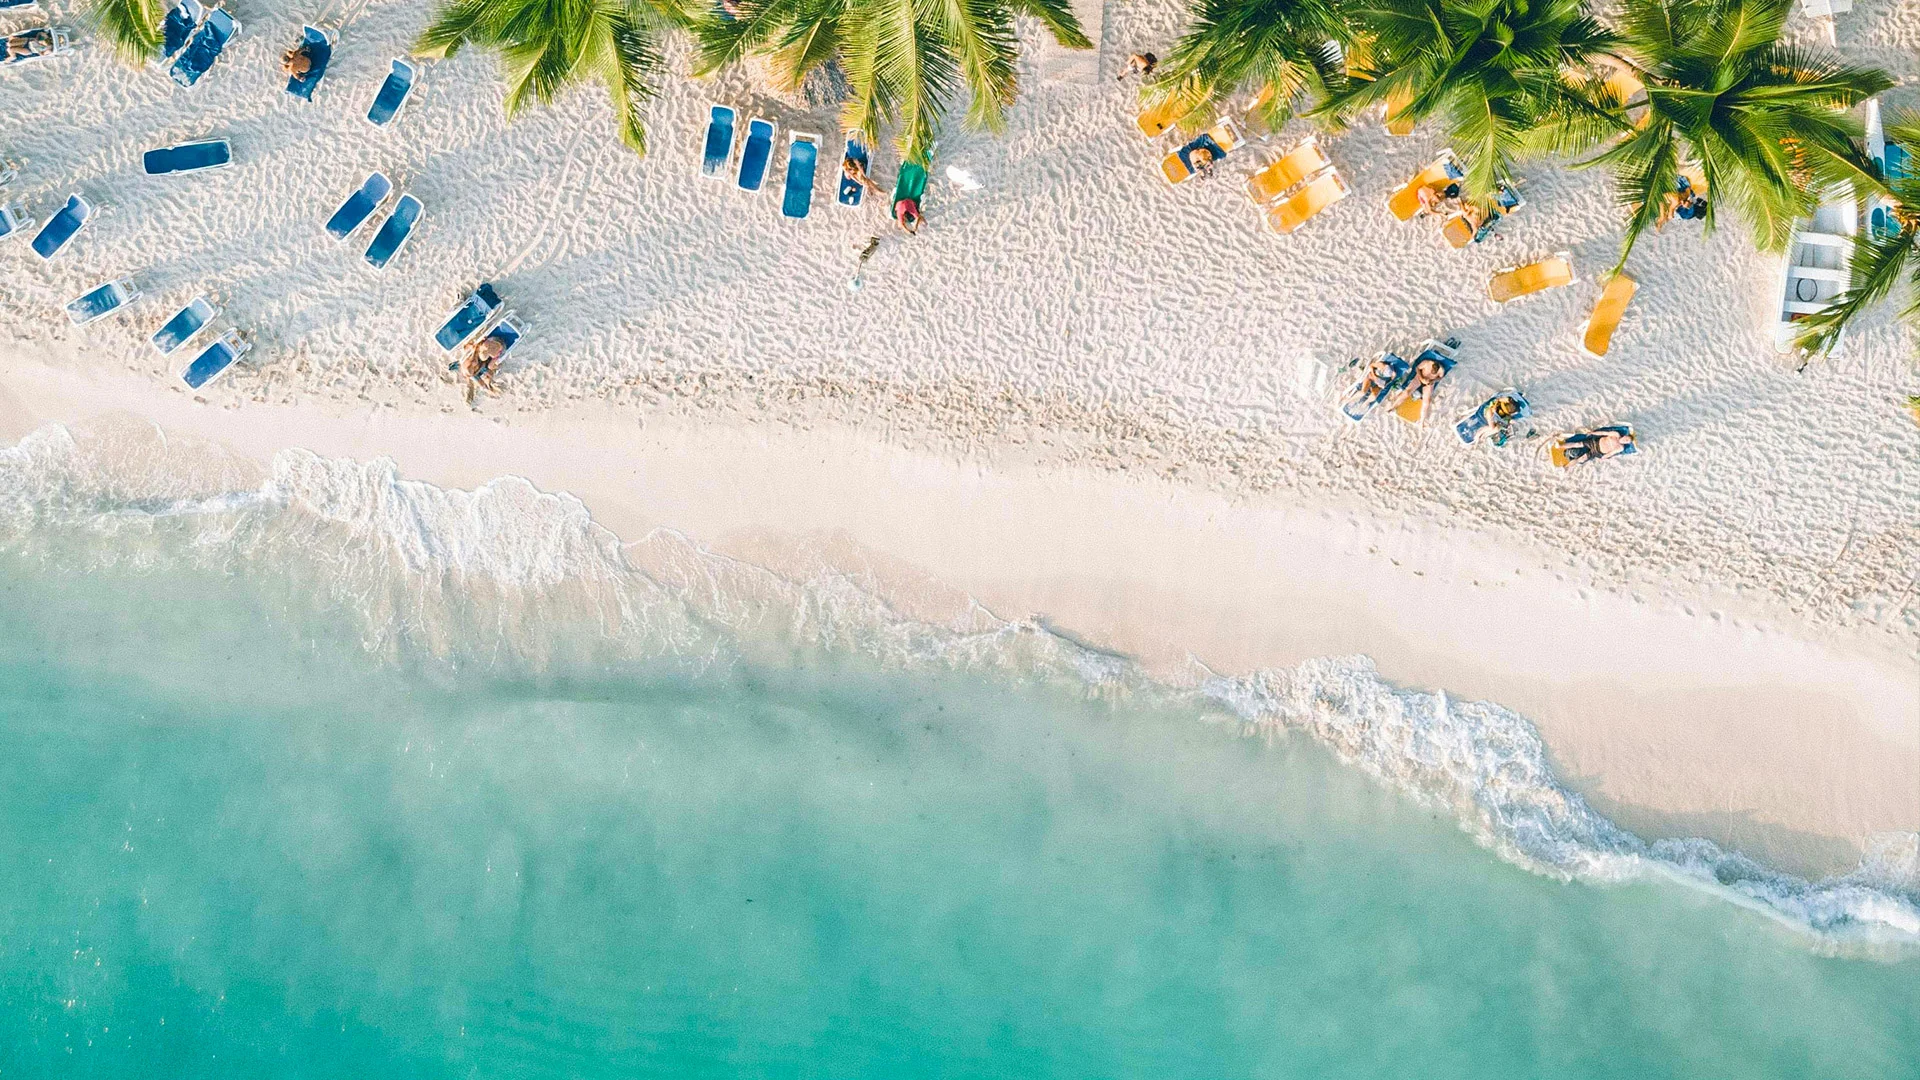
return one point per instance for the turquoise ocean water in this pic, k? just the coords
(322, 774)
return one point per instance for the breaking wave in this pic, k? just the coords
(508, 576)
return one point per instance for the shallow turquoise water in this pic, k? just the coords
(237, 843)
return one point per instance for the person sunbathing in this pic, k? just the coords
(1425, 374)
(297, 61)
(1380, 375)
(856, 172)
(1595, 446)
(29, 43)
(1140, 64)
(1201, 159)
(478, 365)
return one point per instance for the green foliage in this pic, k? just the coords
(1880, 257)
(1490, 70)
(1289, 49)
(545, 46)
(904, 60)
(1767, 123)
(132, 27)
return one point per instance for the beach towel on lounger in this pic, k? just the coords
(181, 21)
(803, 155)
(1218, 140)
(468, 318)
(719, 145)
(319, 52)
(206, 46)
(755, 155)
(186, 322)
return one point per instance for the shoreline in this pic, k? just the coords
(1674, 715)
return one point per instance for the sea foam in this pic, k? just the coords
(511, 576)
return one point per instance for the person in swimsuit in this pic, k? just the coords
(297, 61)
(1425, 374)
(856, 172)
(907, 213)
(478, 365)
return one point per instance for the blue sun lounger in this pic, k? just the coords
(719, 141)
(61, 228)
(186, 322)
(508, 333)
(204, 47)
(1482, 418)
(11, 5)
(1359, 404)
(215, 359)
(803, 157)
(188, 157)
(755, 154)
(98, 303)
(12, 220)
(359, 206)
(851, 189)
(319, 51)
(468, 318)
(182, 20)
(394, 234)
(47, 40)
(393, 94)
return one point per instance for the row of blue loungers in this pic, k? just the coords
(186, 324)
(756, 156)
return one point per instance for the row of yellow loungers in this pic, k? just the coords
(1556, 272)
(1292, 190)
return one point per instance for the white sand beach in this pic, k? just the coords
(1081, 394)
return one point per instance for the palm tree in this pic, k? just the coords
(1886, 250)
(1290, 49)
(904, 59)
(1766, 123)
(547, 45)
(1490, 69)
(131, 26)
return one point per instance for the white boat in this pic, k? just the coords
(1816, 268)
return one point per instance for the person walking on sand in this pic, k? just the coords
(907, 213)
(873, 245)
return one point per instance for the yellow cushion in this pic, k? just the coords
(1606, 314)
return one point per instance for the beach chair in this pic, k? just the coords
(182, 20)
(1483, 418)
(319, 48)
(1399, 125)
(42, 42)
(803, 158)
(395, 233)
(215, 359)
(1444, 170)
(1561, 451)
(204, 47)
(755, 154)
(1597, 336)
(393, 93)
(911, 183)
(1462, 229)
(16, 5)
(1298, 165)
(1514, 282)
(1414, 408)
(188, 157)
(359, 206)
(62, 227)
(1220, 140)
(719, 146)
(1156, 119)
(508, 332)
(13, 220)
(467, 319)
(99, 302)
(186, 322)
(851, 190)
(1319, 193)
(1361, 398)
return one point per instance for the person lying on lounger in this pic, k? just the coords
(856, 172)
(29, 43)
(1425, 373)
(297, 61)
(1438, 200)
(1595, 446)
(478, 365)
(1201, 159)
(1380, 374)
(1141, 64)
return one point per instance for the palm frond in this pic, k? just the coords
(1878, 263)
(131, 26)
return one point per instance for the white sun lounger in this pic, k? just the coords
(101, 301)
(185, 324)
(215, 359)
(13, 220)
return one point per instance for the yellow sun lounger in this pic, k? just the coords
(1696, 178)
(1159, 118)
(1295, 167)
(1221, 139)
(1397, 124)
(1321, 192)
(1597, 338)
(1444, 170)
(1517, 281)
